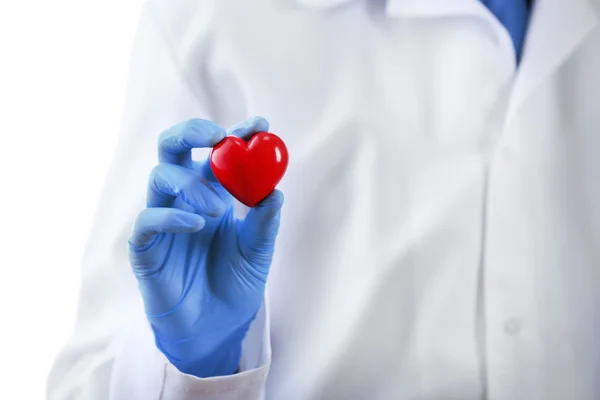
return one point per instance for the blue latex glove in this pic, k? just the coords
(201, 271)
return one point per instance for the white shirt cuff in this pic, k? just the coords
(142, 371)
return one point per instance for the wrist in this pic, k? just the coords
(199, 358)
(221, 361)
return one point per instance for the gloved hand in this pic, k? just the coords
(201, 271)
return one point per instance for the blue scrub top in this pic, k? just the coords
(514, 15)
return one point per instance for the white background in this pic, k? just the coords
(63, 72)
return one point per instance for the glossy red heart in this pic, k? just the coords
(249, 170)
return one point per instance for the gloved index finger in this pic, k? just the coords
(247, 128)
(176, 143)
(244, 130)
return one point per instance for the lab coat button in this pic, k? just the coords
(512, 326)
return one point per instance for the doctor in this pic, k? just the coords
(440, 237)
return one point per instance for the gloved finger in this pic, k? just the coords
(259, 230)
(154, 221)
(245, 130)
(248, 127)
(175, 144)
(168, 182)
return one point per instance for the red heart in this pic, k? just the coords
(249, 170)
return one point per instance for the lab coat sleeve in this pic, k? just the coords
(111, 354)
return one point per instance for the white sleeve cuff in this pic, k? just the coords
(141, 371)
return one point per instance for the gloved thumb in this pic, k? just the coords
(259, 230)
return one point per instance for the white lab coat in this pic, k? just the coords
(441, 232)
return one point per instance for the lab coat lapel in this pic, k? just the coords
(556, 30)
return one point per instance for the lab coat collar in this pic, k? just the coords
(557, 28)
(407, 8)
(322, 3)
(445, 7)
